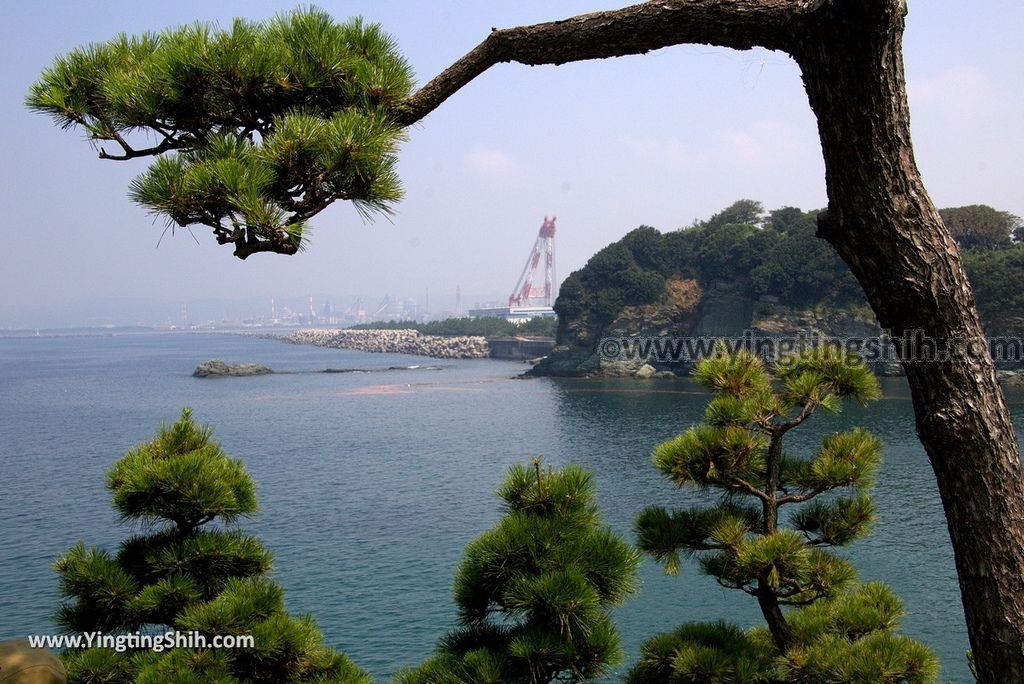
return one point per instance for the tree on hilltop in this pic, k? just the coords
(191, 571)
(744, 211)
(879, 219)
(534, 592)
(979, 226)
(821, 626)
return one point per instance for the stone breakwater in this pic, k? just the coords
(395, 342)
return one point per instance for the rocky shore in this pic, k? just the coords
(1011, 378)
(394, 342)
(686, 311)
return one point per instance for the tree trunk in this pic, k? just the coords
(768, 602)
(767, 598)
(883, 224)
(773, 473)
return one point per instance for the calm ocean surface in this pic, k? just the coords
(371, 484)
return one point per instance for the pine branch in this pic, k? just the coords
(806, 413)
(799, 498)
(131, 153)
(744, 486)
(638, 29)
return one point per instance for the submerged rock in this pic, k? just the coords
(646, 371)
(215, 368)
(1014, 378)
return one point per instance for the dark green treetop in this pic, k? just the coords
(188, 572)
(534, 592)
(995, 280)
(255, 128)
(839, 632)
(979, 226)
(743, 211)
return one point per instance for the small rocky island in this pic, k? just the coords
(215, 368)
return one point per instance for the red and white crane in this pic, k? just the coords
(525, 292)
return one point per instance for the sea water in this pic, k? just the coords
(372, 482)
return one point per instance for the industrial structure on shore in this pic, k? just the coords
(529, 300)
(532, 297)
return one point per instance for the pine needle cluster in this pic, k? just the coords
(821, 626)
(255, 128)
(534, 592)
(189, 572)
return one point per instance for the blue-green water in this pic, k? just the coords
(371, 484)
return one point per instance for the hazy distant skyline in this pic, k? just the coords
(660, 139)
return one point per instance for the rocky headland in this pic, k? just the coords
(764, 281)
(687, 310)
(723, 312)
(394, 342)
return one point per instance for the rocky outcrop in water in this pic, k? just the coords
(215, 368)
(394, 342)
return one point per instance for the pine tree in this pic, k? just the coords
(835, 630)
(534, 592)
(257, 128)
(192, 570)
(880, 218)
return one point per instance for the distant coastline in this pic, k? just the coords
(112, 330)
(84, 331)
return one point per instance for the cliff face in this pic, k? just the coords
(780, 321)
(577, 351)
(685, 310)
(840, 326)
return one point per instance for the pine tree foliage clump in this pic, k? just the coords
(191, 571)
(821, 625)
(534, 592)
(255, 128)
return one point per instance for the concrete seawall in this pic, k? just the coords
(520, 348)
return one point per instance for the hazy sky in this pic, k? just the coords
(659, 139)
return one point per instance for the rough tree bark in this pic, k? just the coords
(767, 600)
(883, 224)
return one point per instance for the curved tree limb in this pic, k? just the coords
(634, 30)
(133, 153)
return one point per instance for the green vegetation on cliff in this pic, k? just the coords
(995, 276)
(776, 254)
